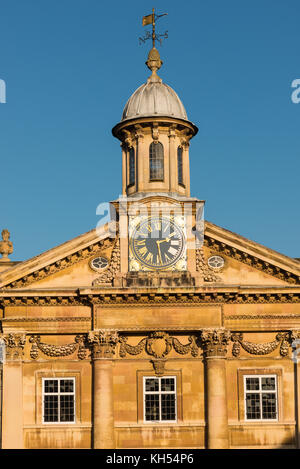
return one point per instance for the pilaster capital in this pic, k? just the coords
(214, 342)
(138, 132)
(14, 346)
(103, 342)
(185, 139)
(128, 140)
(172, 131)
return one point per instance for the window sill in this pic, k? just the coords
(58, 425)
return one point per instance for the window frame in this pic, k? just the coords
(159, 393)
(260, 391)
(131, 158)
(59, 393)
(254, 371)
(140, 373)
(180, 156)
(161, 158)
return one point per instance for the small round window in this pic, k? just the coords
(99, 263)
(216, 262)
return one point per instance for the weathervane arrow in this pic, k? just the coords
(150, 19)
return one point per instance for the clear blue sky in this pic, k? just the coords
(70, 66)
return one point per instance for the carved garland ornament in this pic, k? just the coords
(201, 266)
(158, 344)
(57, 350)
(282, 339)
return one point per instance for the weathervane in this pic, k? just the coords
(150, 19)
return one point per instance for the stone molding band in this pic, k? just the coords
(111, 343)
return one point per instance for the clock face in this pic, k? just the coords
(157, 243)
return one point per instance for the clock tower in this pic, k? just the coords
(157, 217)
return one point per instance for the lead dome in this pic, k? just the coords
(154, 98)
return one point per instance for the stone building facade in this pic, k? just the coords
(157, 330)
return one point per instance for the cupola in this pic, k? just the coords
(155, 132)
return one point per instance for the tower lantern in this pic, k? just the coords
(155, 132)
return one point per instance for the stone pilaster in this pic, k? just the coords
(173, 159)
(295, 342)
(12, 415)
(186, 169)
(140, 158)
(103, 344)
(214, 343)
(125, 164)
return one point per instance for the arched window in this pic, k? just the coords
(131, 166)
(179, 165)
(156, 161)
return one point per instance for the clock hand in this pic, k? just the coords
(163, 240)
(158, 250)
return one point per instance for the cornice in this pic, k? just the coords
(123, 299)
(147, 121)
(40, 319)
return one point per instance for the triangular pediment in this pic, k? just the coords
(248, 262)
(69, 264)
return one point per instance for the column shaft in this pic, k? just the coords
(215, 342)
(12, 413)
(217, 418)
(103, 404)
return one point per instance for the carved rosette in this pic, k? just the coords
(57, 350)
(14, 346)
(281, 339)
(215, 342)
(104, 343)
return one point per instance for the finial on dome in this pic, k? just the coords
(154, 63)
